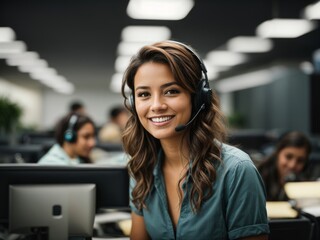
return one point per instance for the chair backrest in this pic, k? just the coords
(293, 229)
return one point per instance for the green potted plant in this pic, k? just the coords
(236, 120)
(10, 113)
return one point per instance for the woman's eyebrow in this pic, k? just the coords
(169, 84)
(141, 87)
(162, 86)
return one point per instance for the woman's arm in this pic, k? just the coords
(138, 229)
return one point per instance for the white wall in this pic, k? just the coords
(28, 97)
(42, 107)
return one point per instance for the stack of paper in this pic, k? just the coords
(306, 196)
(281, 210)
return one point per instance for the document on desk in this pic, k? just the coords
(299, 190)
(281, 209)
(306, 196)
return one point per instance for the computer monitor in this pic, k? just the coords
(111, 184)
(56, 211)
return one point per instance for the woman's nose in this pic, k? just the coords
(158, 104)
(292, 165)
(92, 142)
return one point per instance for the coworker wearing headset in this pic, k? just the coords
(75, 136)
(185, 182)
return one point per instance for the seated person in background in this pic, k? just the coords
(77, 107)
(75, 136)
(286, 163)
(112, 131)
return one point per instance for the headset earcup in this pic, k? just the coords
(203, 95)
(131, 102)
(69, 136)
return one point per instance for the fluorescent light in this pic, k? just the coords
(7, 34)
(43, 74)
(67, 88)
(159, 9)
(61, 85)
(8, 48)
(212, 74)
(33, 65)
(121, 63)
(249, 44)
(24, 58)
(58, 83)
(247, 80)
(145, 33)
(284, 28)
(312, 11)
(116, 82)
(215, 68)
(225, 58)
(130, 48)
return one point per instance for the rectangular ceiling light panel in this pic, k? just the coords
(159, 9)
(284, 28)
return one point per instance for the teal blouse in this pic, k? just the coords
(236, 209)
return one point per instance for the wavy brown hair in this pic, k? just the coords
(205, 152)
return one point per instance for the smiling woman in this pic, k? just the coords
(185, 182)
(287, 163)
(157, 90)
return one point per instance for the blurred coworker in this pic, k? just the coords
(77, 107)
(112, 131)
(75, 136)
(286, 163)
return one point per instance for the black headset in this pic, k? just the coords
(70, 135)
(203, 94)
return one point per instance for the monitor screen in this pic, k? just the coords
(111, 182)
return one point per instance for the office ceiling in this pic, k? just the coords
(80, 38)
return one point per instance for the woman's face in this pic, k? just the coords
(161, 103)
(85, 140)
(291, 160)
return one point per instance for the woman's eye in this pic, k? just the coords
(143, 94)
(289, 156)
(172, 91)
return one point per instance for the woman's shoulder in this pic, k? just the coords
(232, 152)
(235, 158)
(54, 156)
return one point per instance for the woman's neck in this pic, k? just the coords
(175, 156)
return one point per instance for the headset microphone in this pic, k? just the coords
(184, 126)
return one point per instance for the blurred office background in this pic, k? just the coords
(263, 57)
